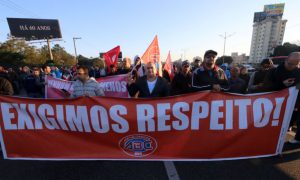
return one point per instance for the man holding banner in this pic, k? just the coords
(84, 85)
(149, 85)
(286, 75)
(208, 76)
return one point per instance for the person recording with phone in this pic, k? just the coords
(286, 75)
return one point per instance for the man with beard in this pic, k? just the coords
(284, 76)
(209, 76)
(149, 85)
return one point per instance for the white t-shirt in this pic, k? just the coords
(151, 85)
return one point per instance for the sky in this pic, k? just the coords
(187, 28)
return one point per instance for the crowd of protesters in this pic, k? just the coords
(144, 82)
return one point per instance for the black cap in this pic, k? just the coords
(210, 52)
(185, 63)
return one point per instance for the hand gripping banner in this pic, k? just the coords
(197, 126)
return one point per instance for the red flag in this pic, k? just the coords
(169, 66)
(111, 57)
(152, 53)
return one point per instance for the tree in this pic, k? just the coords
(84, 61)
(17, 52)
(61, 56)
(12, 52)
(11, 59)
(227, 59)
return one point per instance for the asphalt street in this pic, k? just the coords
(286, 166)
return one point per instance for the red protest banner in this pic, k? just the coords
(198, 126)
(113, 86)
(57, 88)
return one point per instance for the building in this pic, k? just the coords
(239, 59)
(268, 32)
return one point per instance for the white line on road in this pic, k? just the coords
(171, 170)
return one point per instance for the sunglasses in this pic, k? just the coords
(81, 73)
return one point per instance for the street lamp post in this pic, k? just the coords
(225, 38)
(74, 39)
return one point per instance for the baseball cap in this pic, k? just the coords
(185, 63)
(210, 52)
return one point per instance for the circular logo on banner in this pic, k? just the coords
(138, 145)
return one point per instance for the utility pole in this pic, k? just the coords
(225, 38)
(49, 49)
(48, 45)
(74, 39)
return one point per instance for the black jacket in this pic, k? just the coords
(204, 79)
(161, 88)
(181, 84)
(5, 87)
(275, 77)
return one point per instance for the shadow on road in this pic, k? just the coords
(278, 167)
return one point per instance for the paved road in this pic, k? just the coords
(285, 167)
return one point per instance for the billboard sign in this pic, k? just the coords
(259, 16)
(274, 9)
(34, 29)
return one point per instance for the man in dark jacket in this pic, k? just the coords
(125, 67)
(182, 81)
(256, 81)
(209, 76)
(236, 84)
(6, 87)
(149, 85)
(284, 76)
(95, 72)
(33, 84)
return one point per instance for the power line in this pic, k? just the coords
(17, 8)
(2, 20)
(10, 7)
(22, 8)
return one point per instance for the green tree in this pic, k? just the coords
(12, 52)
(61, 56)
(84, 61)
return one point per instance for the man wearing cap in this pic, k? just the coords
(182, 81)
(209, 76)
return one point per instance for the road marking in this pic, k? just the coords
(171, 170)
